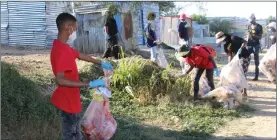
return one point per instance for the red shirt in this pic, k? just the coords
(63, 60)
(199, 58)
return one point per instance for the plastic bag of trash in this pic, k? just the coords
(229, 95)
(162, 62)
(232, 74)
(97, 122)
(268, 63)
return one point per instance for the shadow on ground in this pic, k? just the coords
(242, 138)
(129, 129)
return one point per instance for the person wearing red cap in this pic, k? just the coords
(183, 28)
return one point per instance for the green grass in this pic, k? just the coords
(161, 109)
(24, 110)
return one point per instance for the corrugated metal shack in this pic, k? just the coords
(4, 23)
(170, 23)
(91, 19)
(53, 9)
(27, 24)
(30, 23)
(33, 23)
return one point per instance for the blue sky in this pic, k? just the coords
(239, 9)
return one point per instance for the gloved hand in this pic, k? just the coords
(106, 66)
(97, 83)
(217, 72)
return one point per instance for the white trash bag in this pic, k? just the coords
(268, 63)
(230, 96)
(233, 74)
(162, 62)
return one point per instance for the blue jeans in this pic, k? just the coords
(153, 52)
(255, 50)
(71, 128)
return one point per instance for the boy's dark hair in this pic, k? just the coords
(151, 16)
(64, 17)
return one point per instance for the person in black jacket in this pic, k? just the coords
(232, 46)
(111, 31)
(255, 32)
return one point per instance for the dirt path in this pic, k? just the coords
(262, 125)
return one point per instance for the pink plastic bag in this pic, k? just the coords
(98, 123)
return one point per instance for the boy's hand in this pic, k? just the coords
(107, 66)
(97, 83)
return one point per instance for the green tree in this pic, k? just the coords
(218, 24)
(201, 19)
(271, 18)
(165, 7)
(168, 8)
(173, 12)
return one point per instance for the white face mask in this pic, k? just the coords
(71, 38)
(223, 43)
(153, 26)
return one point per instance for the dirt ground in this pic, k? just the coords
(262, 96)
(262, 124)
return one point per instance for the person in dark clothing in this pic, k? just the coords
(113, 49)
(255, 32)
(151, 36)
(183, 28)
(232, 46)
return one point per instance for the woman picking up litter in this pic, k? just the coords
(201, 58)
(232, 46)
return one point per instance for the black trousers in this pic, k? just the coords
(112, 50)
(255, 50)
(198, 74)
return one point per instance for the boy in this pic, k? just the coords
(67, 96)
(198, 57)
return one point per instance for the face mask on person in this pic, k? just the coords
(72, 36)
(152, 22)
(223, 43)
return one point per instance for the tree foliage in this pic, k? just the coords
(271, 18)
(167, 7)
(218, 24)
(173, 12)
(201, 19)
